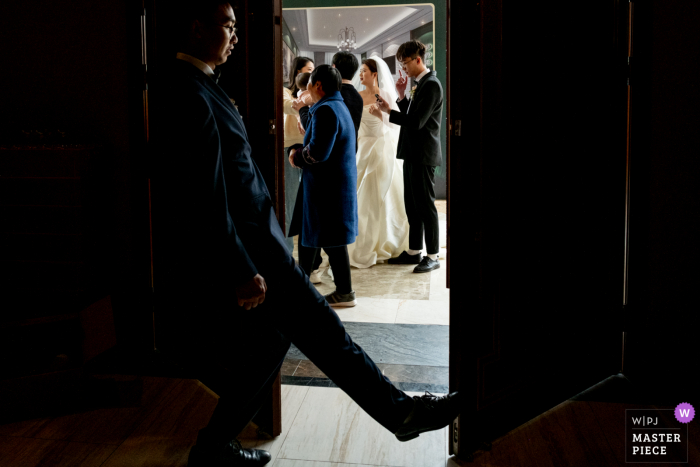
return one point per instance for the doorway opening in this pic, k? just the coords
(401, 318)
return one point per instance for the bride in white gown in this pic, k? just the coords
(383, 224)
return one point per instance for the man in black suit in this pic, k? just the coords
(419, 147)
(230, 296)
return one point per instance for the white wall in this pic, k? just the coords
(389, 50)
(306, 53)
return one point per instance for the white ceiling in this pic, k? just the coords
(318, 28)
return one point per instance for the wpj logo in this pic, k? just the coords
(657, 435)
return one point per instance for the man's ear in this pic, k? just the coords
(195, 29)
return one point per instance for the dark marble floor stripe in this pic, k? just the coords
(327, 383)
(403, 344)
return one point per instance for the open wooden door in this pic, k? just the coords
(252, 77)
(536, 209)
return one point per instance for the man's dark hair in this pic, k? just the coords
(184, 12)
(328, 76)
(411, 49)
(346, 64)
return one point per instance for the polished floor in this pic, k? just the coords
(153, 422)
(401, 320)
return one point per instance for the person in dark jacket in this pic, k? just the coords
(420, 118)
(329, 212)
(347, 65)
(230, 297)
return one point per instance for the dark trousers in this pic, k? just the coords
(419, 199)
(238, 353)
(337, 257)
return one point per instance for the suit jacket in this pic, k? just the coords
(353, 101)
(420, 119)
(213, 217)
(329, 180)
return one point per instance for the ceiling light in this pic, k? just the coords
(347, 40)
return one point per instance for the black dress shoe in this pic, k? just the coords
(232, 455)
(405, 258)
(429, 413)
(427, 265)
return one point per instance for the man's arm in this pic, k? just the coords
(403, 104)
(422, 108)
(304, 117)
(324, 129)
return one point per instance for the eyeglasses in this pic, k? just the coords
(403, 64)
(231, 30)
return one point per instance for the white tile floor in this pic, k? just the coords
(435, 310)
(323, 427)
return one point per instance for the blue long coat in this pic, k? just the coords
(330, 175)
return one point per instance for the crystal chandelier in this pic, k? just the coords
(347, 41)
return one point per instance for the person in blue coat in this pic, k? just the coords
(229, 297)
(329, 218)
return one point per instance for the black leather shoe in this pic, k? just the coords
(429, 413)
(427, 265)
(232, 455)
(405, 258)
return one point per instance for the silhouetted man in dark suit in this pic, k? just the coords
(419, 147)
(231, 296)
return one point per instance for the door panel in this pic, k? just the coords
(541, 226)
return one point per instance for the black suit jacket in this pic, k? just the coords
(353, 101)
(420, 119)
(213, 218)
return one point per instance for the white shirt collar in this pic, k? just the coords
(347, 81)
(420, 77)
(196, 62)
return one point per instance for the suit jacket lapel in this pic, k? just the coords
(220, 94)
(418, 86)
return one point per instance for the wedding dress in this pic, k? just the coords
(382, 221)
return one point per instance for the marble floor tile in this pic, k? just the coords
(438, 283)
(416, 373)
(370, 310)
(306, 368)
(436, 389)
(292, 399)
(330, 427)
(302, 463)
(391, 281)
(308, 381)
(289, 366)
(383, 281)
(406, 344)
(424, 312)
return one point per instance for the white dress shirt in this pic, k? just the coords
(418, 78)
(196, 62)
